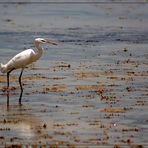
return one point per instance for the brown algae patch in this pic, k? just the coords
(110, 75)
(3, 79)
(61, 66)
(90, 87)
(55, 88)
(113, 110)
(85, 75)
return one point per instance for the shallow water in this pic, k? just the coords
(91, 89)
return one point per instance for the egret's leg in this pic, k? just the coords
(8, 90)
(8, 80)
(20, 86)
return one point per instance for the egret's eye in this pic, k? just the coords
(43, 40)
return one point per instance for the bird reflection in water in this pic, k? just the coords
(24, 126)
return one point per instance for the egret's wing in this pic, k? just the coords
(21, 60)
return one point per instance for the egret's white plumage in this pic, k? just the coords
(24, 58)
(19, 61)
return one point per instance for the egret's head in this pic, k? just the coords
(41, 40)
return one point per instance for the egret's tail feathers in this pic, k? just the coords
(2, 68)
(1, 65)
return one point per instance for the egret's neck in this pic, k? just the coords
(39, 51)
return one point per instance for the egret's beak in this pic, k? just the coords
(52, 42)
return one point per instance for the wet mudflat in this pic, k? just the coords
(90, 90)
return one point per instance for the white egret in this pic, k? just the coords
(21, 60)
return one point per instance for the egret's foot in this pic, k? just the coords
(8, 92)
(20, 104)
